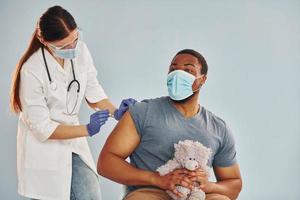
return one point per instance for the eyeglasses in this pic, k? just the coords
(69, 45)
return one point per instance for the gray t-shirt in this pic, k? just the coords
(160, 125)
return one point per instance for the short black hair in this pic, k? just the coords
(201, 59)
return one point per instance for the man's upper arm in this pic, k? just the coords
(225, 173)
(124, 138)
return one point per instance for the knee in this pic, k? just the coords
(223, 197)
(147, 193)
(216, 197)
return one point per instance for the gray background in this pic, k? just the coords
(253, 52)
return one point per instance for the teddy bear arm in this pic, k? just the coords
(206, 169)
(170, 166)
(197, 194)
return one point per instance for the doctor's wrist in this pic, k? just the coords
(85, 130)
(90, 130)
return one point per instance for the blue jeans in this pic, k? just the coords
(85, 183)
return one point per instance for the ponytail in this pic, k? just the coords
(15, 103)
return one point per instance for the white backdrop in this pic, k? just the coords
(252, 49)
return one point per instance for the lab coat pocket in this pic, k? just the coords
(41, 155)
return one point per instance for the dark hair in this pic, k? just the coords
(201, 59)
(55, 24)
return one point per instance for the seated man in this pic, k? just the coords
(148, 131)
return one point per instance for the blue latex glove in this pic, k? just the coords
(123, 107)
(97, 119)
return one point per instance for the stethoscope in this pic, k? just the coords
(53, 85)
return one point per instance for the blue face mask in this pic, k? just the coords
(65, 53)
(180, 84)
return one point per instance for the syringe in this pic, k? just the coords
(110, 115)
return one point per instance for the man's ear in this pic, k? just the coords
(203, 79)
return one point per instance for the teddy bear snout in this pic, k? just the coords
(191, 165)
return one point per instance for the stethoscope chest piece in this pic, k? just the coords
(53, 86)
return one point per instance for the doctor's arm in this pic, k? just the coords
(104, 104)
(97, 119)
(68, 132)
(36, 114)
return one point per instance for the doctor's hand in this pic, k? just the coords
(97, 119)
(123, 107)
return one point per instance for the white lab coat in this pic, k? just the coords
(44, 166)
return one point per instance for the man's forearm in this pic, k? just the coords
(117, 169)
(230, 187)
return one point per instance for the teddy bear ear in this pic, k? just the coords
(180, 150)
(203, 150)
(175, 146)
(207, 151)
(188, 142)
(199, 146)
(181, 145)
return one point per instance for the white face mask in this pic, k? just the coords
(180, 84)
(65, 53)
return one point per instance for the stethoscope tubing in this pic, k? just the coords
(53, 86)
(50, 79)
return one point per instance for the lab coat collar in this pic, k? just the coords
(52, 63)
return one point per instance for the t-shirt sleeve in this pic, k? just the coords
(138, 113)
(226, 155)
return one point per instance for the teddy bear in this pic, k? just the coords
(190, 155)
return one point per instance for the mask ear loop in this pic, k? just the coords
(200, 84)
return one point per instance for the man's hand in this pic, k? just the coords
(201, 177)
(173, 179)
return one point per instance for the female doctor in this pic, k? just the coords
(52, 78)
